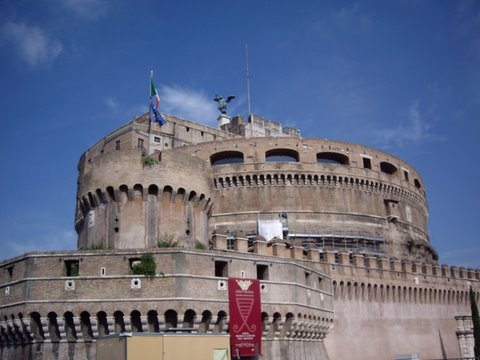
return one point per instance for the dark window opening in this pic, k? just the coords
(388, 168)
(332, 158)
(188, 129)
(262, 272)
(117, 145)
(201, 133)
(10, 272)
(140, 143)
(226, 157)
(307, 278)
(156, 139)
(221, 269)
(281, 155)
(133, 261)
(72, 267)
(405, 174)
(367, 163)
(417, 184)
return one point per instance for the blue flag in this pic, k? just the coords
(155, 106)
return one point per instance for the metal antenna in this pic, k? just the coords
(248, 81)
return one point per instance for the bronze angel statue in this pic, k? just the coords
(222, 103)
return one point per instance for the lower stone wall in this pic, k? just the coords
(381, 330)
(50, 351)
(272, 350)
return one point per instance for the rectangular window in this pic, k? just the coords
(307, 279)
(140, 143)
(10, 272)
(221, 268)
(156, 139)
(367, 163)
(72, 267)
(262, 272)
(117, 145)
(133, 262)
(405, 173)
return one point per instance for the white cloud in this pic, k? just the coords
(189, 104)
(87, 9)
(353, 16)
(45, 240)
(414, 131)
(32, 44)
(111, 103)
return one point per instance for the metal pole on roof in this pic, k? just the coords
(248, 81)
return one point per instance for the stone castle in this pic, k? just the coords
(336, 232)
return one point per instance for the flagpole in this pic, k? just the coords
(149, 105)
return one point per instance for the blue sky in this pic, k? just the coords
(401, 76)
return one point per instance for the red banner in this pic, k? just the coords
(245, 317)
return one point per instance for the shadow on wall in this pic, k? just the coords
(442, 346)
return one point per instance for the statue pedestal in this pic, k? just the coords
(223, 119)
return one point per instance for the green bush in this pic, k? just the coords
(200, 246)
(167, 240)
(146, 266)
(148, 161)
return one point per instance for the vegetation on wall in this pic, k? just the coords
(200, 246)
(476, 323)
(167, 240)
(148, 161)
(146, 266)
(74, 269)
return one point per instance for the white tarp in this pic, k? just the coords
(270, 229)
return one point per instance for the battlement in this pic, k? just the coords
(344, 263)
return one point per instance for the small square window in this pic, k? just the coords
(72, 268)
(367, 163)
(133, 262)
(262, 272)
(221, 269)
(157, 139)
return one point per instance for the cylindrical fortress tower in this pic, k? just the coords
(315, 193)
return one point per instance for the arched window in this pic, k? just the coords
(281, 155)
(226, 157)
(388, 168)
(332, 158)
(171, 319)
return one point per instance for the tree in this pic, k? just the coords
(476, 322)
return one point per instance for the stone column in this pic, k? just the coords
(313, 254)
(219, 242)
(241, 244)
(260, 247)
(94, 323)
(110, 325)
(78, 327)
(127, 322)
(44, 323)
